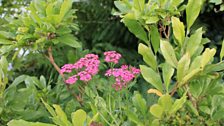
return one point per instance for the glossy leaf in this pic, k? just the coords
(183, 66)
(192, 11)
(194, 42)
(148, 55)
(152, 77)
(79, 117)
(136, 28)
(156, 110)
(178, 30)
(168, 53)
(207, 56)
(168, 72)
(155, 38)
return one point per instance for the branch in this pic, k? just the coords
(51, 59)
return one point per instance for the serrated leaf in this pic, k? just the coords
(222, 51)
(152, 77)
(69, 40)
(183, 66)
(148, 55)
(156, 110)
(168, 53)
(192, 10)
(79, 117)
(136, 28)
(168, 72)
(178, 30)
(194, 42)
(155, 38)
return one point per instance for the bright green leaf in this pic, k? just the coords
(148, 55)
(69, 40)
(178, 30)
(140, 103)
(78, 118)
(156, 110)
(139, 4)
(183, 66)
(136, 28)
(168, 72)
(207, 56)
(178, 104)
(25, 123)
(168, 53)
(192, 11)
(152, 77)
(194, 42)
(155, 38)
(166, 102)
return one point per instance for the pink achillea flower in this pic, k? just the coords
(86, 68)
(122, 75)
(112, 56)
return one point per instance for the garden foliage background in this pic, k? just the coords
(98, 29)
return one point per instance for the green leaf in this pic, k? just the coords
(148, 55)
(140, 103)
(78, 118)
(207, 56)
(65, 7)
(152, 77)
(222, 51)
(5, 42)
(122, 6)
(50, 9)
(168, 72)
(69, 40)
(178, 30)
(168, 53)
(139, 4)
(155, 38)
(183, 66)
(194, 42)
(176, 3)
(133, 117)
(135, 27)
(156, 110)
(49, 108)
(217, 2)
(190, 75)
(25, 123)
(60, 113)
(192, 10)
(152, 20)
(166, 102)
(178, 104)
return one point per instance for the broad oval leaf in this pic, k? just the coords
(192, 11)
(148, 55)
(194, 42)
(135, 27)
(79, 117)
(168, 72)
(207, 56)
(152, 77)
(156, 110)
(183, 66)
(69, 40)
(178, 30)
(155, 38)
(168, 53)
(26, 123)
(166, 102)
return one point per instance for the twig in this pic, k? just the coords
(51, 59)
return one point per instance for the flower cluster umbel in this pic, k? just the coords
(88, 66)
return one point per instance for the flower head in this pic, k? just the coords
(112, 56)
(122, 75)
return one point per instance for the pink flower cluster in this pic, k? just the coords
(86, 68)
(112, 57)
(122, 75)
